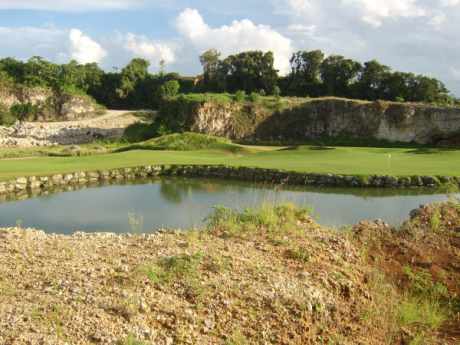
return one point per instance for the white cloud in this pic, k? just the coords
(24, 42)
(374, 12)
(240, 35)
(69, 5)
(450, 2)
(455, 73)
(417, 36)
(151, 50)
(84, 49)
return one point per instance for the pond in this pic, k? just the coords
(147, 205)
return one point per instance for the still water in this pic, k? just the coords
(185, 203)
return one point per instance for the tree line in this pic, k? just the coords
(312, 74)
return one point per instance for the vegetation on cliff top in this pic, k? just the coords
(312, 74)
(270, 275)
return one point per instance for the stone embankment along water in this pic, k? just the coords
(37, 183)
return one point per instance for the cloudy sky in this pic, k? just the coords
(410, 35)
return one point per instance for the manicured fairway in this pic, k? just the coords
(339, 160)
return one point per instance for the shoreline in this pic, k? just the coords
(34, 184)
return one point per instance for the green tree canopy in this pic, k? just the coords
(305, 78)
(338, 73)
(249, 71)
(133, 73)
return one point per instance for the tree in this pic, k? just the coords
(39, 72)
(338, 74)
(396, 86)
(210, 61)
(249, 71)
(169, 89)
(13, 68)
(426, 89)
(306, 72)
(131, 75)
(371, 81)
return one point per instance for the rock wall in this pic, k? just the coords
(16, 95)
(332, 118)
(27, 134)
(23, 187)
(50, 106)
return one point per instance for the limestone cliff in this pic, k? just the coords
(328, 117)
(48, 105)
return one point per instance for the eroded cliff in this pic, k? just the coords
(46, 105)
(302, 120)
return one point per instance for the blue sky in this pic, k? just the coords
(411, 35)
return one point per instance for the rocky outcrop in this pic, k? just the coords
(27, 134)
(20, 95)
(48, 105)
(329, 118)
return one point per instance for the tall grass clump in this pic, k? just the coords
(183, 269)
(425, 306)
(267, 218)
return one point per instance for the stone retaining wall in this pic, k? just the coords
(35, 184)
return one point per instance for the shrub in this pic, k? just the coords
(24, 111)
(423, 314)
(6, 118)
(277, 91)
(254, 97)
(169, 89)
(273, 219)
(240, 96)
(139, 132)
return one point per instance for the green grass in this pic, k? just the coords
(336, 160)
(186, 142)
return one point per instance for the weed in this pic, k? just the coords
(131, 340)
(422, 285)
(435, 221)
(422, 314)
(237, 338)
(298, 254)
(271, 219)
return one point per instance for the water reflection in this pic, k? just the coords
(184, 203)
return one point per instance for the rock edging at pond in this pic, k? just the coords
(279, 177)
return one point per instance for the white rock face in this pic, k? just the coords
(27, 134)
(320, 118)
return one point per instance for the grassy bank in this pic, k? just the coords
(336, 160)
(266, 276)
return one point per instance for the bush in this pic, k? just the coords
(277, 91)
(24, 111)
(169, 89)
(139, 132)
(6, 118)
(254, 97)
(240, 96)
(273, 219)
